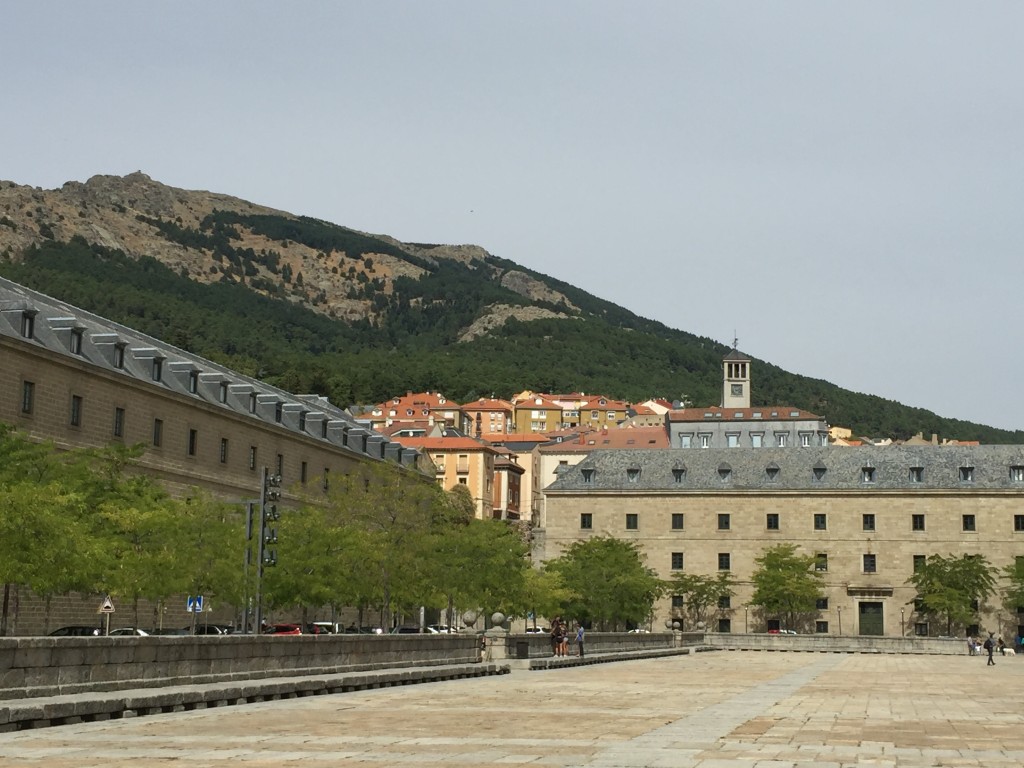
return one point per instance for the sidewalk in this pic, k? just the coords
(724, 709)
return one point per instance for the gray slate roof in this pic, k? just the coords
(824, 468)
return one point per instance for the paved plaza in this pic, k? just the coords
(720, 709)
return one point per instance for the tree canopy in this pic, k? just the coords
(953, 588)
(786, 585)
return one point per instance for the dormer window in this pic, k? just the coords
(917, 474)
(633, 474)
(158, 368)
(252, 403)
(278, 412)
(222, 392)
(1017, 474)
(724, 472)
(193, 381)
(818, 472)
(678, 475)
(28, 324)
(588, 475)
(966, 474)
(771, 472)
(302, 421)
(77, 335)
(867, 474)
(118, 359)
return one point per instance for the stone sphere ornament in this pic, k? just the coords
(469, 618)
(497, 619)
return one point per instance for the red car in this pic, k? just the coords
(283, 629)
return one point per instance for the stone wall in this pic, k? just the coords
(46, 666)
(536, 646)
(942, 646)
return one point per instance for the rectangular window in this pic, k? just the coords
(28, 396)
(677, 521)
(966, 474)
(917, 522)
(119, 356)
(632, 521)
(76, 411)
(868, 522)
(870, 564)
(917, 474)
(772, 521)
(193, 382)
(223, 450)
(780, 439)
(724, 561)
(252, 403)
(919, 562)
(1018, 523)
(821, 627)
(327, 479)
(805, 440)
(158, 432)
(732, 440)
(222, 392)
(252, 458)
(821, 603)
(725, 626)
(303, 473)
(76, 341)
(586, 521)
(1017, 474)
(705, 441)
(821, 562)
(723, 522)
(280, 465)
(119, 422)
(921, 629)
(685, 441)
(724, 602)
(757, 440)
(820, 521)
(158, 368)
(969, 523)
(28, 324)
(193, 442)
(678, 601)
(677, 561)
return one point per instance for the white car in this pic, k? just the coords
(131, 631)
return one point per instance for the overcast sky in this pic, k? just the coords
(839, 184)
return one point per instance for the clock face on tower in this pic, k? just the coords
(737, 390)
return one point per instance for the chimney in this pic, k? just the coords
(935, 439)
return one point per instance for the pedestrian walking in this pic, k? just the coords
(1001, 646)
(990, 646)
(579, 640)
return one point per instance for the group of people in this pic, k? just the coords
(990, 646)
(560, 638)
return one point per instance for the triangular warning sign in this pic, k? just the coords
(107, 606)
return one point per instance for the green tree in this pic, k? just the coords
(953, 588)
(608, 581)
(700, 592)
(1013, 593)
(786, 584)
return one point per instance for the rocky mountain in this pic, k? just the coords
(143, 217)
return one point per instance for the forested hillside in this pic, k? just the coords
(318, 308)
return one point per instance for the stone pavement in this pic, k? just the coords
(725, 709)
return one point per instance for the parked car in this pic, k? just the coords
(413, 630)
(283, 629)
(537, 630)
(354, 630)
(211, 629)
(76, 631)
(320, 628)
(169, 631)
(443, 629)
(129, 631)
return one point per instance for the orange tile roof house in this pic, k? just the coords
(487, 417)
(461, 461)
(432, 407)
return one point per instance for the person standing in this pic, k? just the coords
(990, 646)
(579, 639)
(556, 634)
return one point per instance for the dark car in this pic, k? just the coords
(76, 631)
(212, 629)
(168, 631)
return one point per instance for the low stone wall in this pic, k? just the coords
(837, 644)
(48, 666)
(536, 646)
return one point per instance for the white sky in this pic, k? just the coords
(840, 184)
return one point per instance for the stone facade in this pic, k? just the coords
(869, 511)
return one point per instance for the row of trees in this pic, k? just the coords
(383, 541)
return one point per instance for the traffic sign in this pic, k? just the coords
(195, 604)
(107, 606)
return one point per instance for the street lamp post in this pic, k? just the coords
(903, 631)
(746, 610)
(839, 608)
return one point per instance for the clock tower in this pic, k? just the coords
(735, 379)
